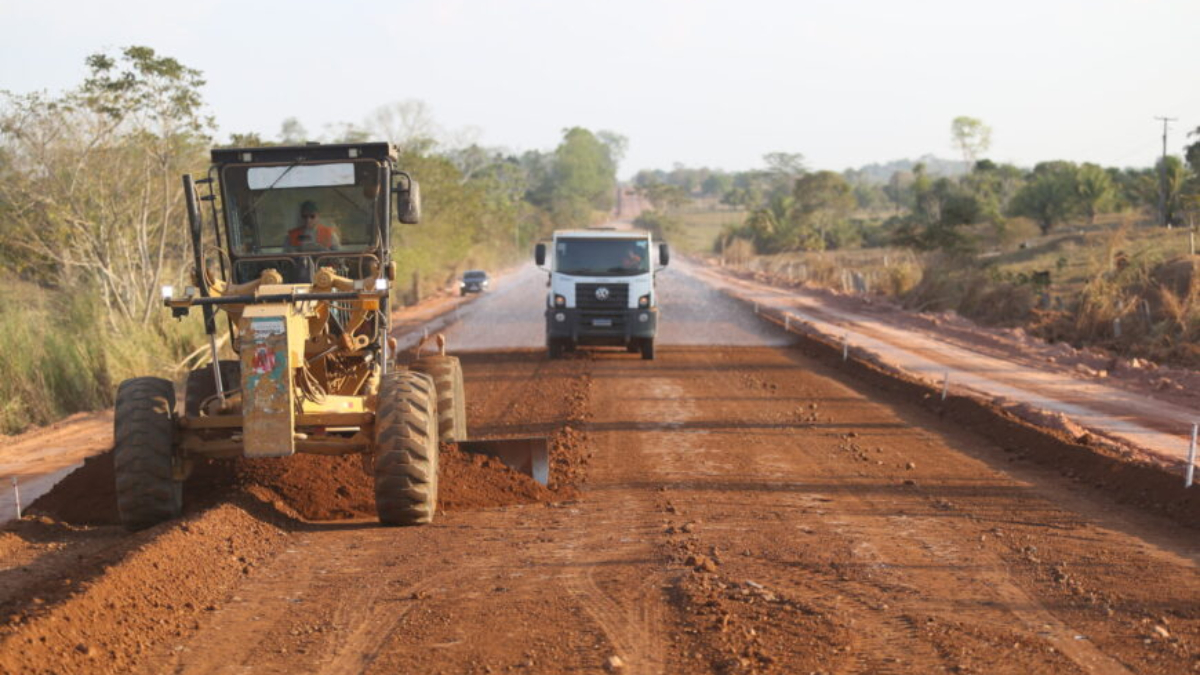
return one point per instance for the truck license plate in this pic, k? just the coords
(602, 323)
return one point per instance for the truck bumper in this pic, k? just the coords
(585, 327)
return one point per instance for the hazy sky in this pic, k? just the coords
(703, 83)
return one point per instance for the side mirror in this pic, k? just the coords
(408, 201)
(664, 254)
(539, 254)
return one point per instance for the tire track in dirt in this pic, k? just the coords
(633, 616)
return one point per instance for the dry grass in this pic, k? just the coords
(59, 356)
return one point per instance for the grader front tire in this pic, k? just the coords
(406, 449)
(143, 454)
(446, 373)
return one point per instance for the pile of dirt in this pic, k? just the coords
(87, 496)
(311, 487)
(468, 481)
(96, 608)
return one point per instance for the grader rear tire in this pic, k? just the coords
(446, 373)
(406, 449)
(144, 453)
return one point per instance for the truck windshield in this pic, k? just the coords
(303, 208)
(602, 257)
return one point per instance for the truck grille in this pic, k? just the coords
(608, 313)
(618, 296)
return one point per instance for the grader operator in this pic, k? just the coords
(296, 252)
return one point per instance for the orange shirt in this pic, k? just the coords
(324, 236)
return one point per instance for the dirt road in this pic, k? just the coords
(725, 508)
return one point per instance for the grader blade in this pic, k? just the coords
(530, 456)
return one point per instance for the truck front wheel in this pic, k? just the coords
(647, 349)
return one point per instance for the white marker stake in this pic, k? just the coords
(787, 322)
(1191, 469)
(756, 308)
(17, 489)
(945, 384)
(845, 347)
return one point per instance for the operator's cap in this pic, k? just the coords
(309, 207)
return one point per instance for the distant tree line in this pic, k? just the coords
(790, 208)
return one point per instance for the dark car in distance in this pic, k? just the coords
(473, 281)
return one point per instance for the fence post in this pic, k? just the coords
(1191, 467)
(945, 384)
(846, 347)
(1117, 327)
(17, 488)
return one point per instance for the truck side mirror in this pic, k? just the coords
(408, 202)
(539, 254)
(664, 254)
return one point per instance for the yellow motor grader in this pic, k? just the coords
(296, 254)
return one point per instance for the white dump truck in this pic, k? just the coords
(601, 289)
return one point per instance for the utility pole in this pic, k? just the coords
(1162, 173)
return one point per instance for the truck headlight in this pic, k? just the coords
(643, 317)
(644, 301)
(559, 301)
(560, 317)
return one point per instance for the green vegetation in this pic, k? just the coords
(1072, 251)
(94, 223)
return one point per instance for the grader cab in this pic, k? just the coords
(296, 254)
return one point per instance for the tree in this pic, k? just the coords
(247, 140)
(899, 189)
(1050, 196)
(822, 203)
(941, 209)
(663, 196)
(993, 186)
(716, 184)
(91, 188)
(1192, 152)
(408, 124)
(765, 225)
(783, 168)
(291, 132)
(346, 132)
(616, 143)
(971, 136)
(579, 178)
(1095, 189)
(1176, 179)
